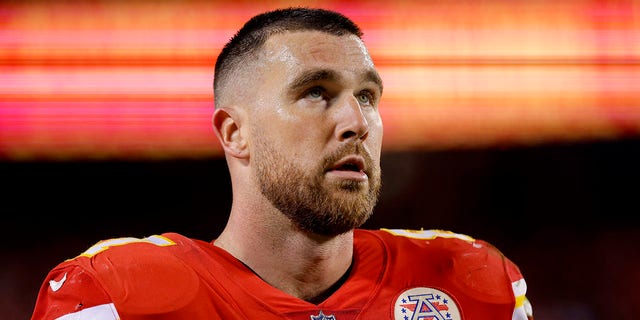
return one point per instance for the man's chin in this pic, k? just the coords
(349, 188)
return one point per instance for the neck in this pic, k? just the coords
(308, 266)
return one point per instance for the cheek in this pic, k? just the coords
(376, 130)
(295, 140)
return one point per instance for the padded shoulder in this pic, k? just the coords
(473, 266)
(148, 275)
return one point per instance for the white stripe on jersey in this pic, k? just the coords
(101, 312)
(519, 288)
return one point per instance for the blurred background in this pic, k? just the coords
(517, 122)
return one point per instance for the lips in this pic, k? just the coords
(350, 163)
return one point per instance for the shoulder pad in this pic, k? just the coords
(145, 275)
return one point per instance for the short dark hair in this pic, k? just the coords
(250, 38)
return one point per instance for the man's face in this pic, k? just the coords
(316, 132)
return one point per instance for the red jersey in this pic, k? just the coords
(395, 274)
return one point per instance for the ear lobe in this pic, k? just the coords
(228, 131)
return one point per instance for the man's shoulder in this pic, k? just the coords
(458, 263)
(131, 248)
(135, 257)
(428, 247)
(131, 268)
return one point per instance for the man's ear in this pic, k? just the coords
(227, 128)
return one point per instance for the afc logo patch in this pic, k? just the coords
(425, 303)
(322, 316)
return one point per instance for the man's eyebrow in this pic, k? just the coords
(312, 76)
(374, 77)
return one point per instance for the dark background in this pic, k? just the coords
(565, 213)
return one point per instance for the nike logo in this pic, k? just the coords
(55, 285)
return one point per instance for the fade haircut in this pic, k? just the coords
(243, 46)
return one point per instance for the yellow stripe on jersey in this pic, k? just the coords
(522, 308)
(428, 234)
(106, 244)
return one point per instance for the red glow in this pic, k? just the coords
(105, 79)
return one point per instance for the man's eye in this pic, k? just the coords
(315, 93)
(365, 98)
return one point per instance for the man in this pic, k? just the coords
(297, 115)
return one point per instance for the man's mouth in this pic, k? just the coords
(349, 163)
(351, 168)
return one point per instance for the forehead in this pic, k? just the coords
(295, 51)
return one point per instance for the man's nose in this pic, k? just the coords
(351, 121)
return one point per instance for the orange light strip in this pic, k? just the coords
(132, 80)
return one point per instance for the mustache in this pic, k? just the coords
(353, 148)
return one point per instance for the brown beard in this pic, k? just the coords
(311, 207)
